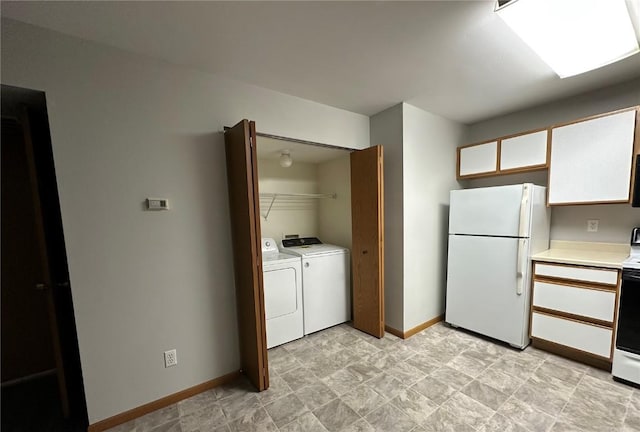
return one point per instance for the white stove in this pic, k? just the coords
(626, 356)
(633, 262)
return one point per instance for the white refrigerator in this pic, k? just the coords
(492, 234)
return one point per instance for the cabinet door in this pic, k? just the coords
(576, 300)
(575, 273)
(524, 152)
(591, 160)
(478, 160)
(583, 336)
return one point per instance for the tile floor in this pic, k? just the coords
(441, 379)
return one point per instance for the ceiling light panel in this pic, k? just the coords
(573, 36)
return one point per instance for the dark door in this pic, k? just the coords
(27, 346)
(367, 218)
(41, 374)
(244, 208)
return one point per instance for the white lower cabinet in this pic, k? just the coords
(585, 337)
(576, 273)
(575, 300)
(573, 311)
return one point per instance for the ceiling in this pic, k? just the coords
(456, 59)
(269, 148)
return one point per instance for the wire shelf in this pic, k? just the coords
(272, 197)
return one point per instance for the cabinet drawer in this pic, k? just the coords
(575, 300)
(602, 276)
(478, 159)
(585, 337)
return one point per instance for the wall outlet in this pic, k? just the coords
(170, 358)
(592, 225)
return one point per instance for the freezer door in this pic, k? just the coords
(487, 288)
(494, 211)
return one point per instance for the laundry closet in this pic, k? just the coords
(282, 191)
(307, 281)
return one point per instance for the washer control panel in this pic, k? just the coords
(269, 245)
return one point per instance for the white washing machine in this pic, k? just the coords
(282, 277)
(326, 274)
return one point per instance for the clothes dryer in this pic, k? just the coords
(282, 277)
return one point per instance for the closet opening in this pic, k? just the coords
(307, 227)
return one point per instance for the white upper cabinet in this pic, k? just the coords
(591, 160)
(479, 159)
(524, 152)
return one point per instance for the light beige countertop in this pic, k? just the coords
(609, 255)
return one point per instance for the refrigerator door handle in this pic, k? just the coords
(524, 209)
(520, 265)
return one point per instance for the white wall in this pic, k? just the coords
(334, 215)
(329, 219)
(564, 110)
(386, 130)
(616, 222)
(568, 222)
(125, 127)
(287, 216)
(419, 172)
(429, 165)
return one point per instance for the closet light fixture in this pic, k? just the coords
(285, 159)
(573, 36)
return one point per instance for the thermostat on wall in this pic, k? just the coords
(157, 204)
